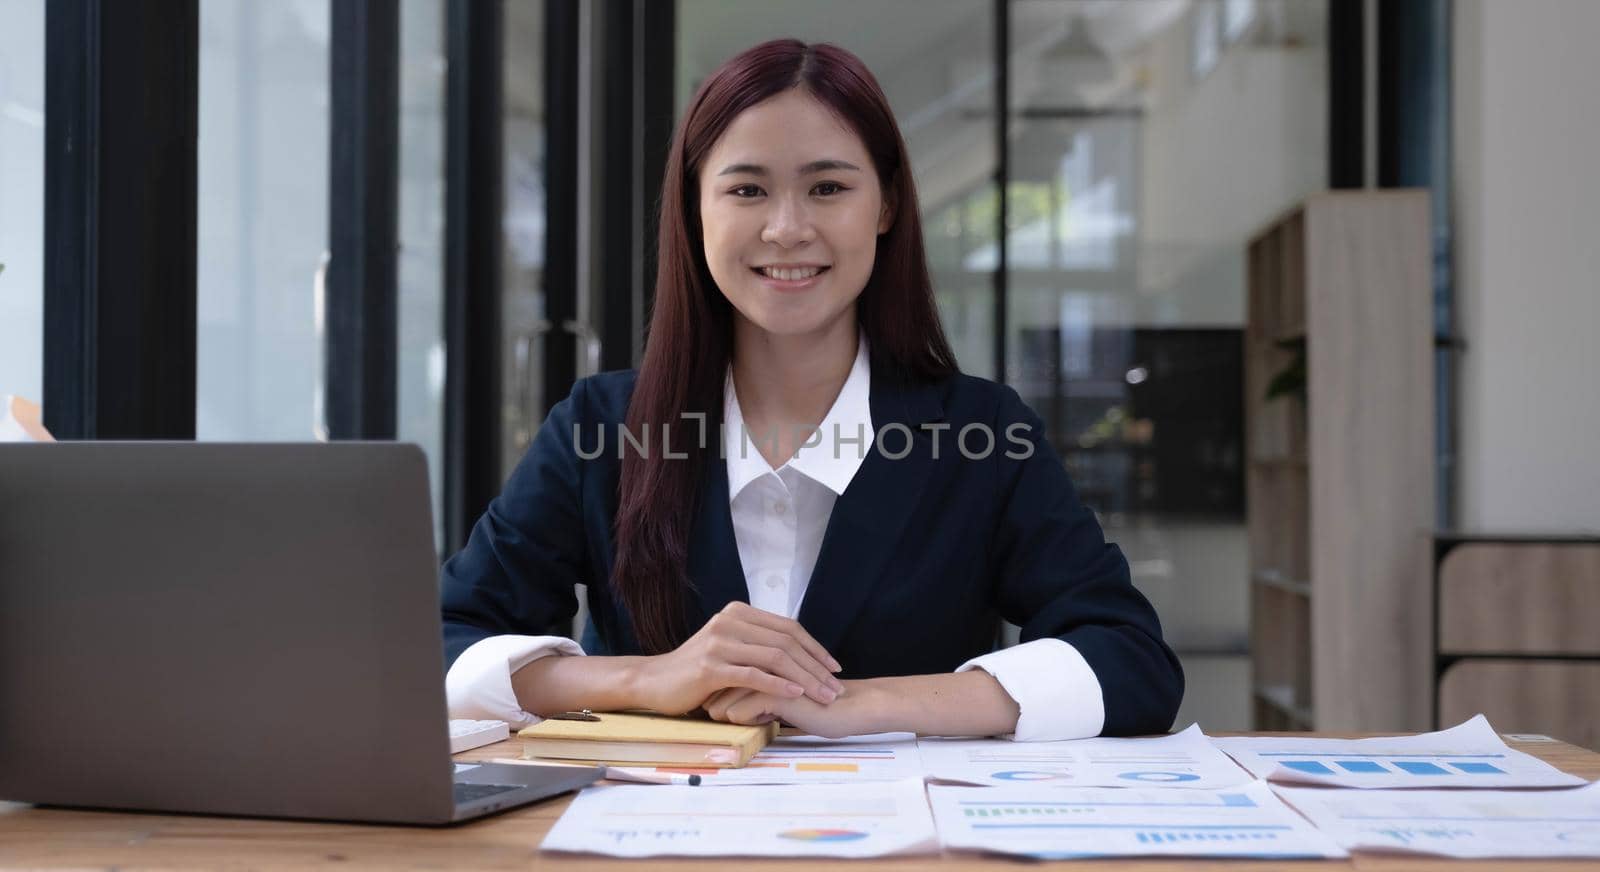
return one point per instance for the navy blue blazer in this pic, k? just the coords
(919, 557)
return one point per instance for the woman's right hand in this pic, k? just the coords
(741, 646)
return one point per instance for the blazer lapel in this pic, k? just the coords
(869, 518)
(714, 566)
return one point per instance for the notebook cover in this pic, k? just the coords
(648, 729)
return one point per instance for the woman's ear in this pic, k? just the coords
(886, 214)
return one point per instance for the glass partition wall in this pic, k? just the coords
(419, 271)
(523, 322)
(263, 191)
(262, 219)
(22, 74)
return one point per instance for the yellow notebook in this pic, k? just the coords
(646, 739)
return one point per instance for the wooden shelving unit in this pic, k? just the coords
(1340, 481)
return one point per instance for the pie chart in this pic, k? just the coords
(822, 835)
(1025, 775)
(1160, 777)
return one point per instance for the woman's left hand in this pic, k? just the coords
(849, 715)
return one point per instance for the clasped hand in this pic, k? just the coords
(742, 653)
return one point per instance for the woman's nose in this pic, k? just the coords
(788, 224)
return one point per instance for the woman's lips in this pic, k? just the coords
(790, 284)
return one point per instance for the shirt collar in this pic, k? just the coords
(831, 464)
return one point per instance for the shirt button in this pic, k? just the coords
(774, 581)
(780, 507)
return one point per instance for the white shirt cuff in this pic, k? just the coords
(1058, 694)
(478, 685)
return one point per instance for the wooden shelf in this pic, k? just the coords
(1339, 477)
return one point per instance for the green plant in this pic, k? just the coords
(1291, 380)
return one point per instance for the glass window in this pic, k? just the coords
(420, 385)
(1236, 17)
(1205, 38)
(523, 329)
(935, 61)
(22, 198)
(1136, 182)
(263, 218)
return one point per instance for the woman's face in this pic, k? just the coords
(790, 211)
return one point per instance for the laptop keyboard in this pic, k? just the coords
(471, 792)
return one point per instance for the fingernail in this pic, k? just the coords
(840, 689)
(828, 695)
(796, 690)
(834, 667)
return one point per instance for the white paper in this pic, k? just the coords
(1050, 823)
(1470, 754)
(1186, 759)
(1455, 823)
(806, 760)
(873, 819)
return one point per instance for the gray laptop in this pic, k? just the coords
(231, 629)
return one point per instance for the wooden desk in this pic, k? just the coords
(40, 837)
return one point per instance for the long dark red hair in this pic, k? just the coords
(689, 341)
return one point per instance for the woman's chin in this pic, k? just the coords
(793, 324)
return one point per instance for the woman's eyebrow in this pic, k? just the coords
(816, 166)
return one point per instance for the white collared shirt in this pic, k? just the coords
(779, 516)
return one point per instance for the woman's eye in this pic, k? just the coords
(828, 189)
(746, 191)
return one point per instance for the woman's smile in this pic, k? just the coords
(787, 277)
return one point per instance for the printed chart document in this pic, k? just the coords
(806, 760)
(1457, 823)
(1063, 823)
(872, 819)
(1470, 754)
(1187, 759)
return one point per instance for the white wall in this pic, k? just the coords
(1224, 156)
(1527, 184)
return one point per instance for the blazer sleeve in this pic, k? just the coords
(517, 572)
(1058, 577)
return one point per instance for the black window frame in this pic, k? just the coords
(121, 107)
(362, 293)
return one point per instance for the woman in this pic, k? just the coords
(796, 507)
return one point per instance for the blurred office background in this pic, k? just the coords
(424, 219)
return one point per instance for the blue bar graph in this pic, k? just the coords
(1369, 754)
(1373, 767)
(1170, 836)
(1310, 766)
